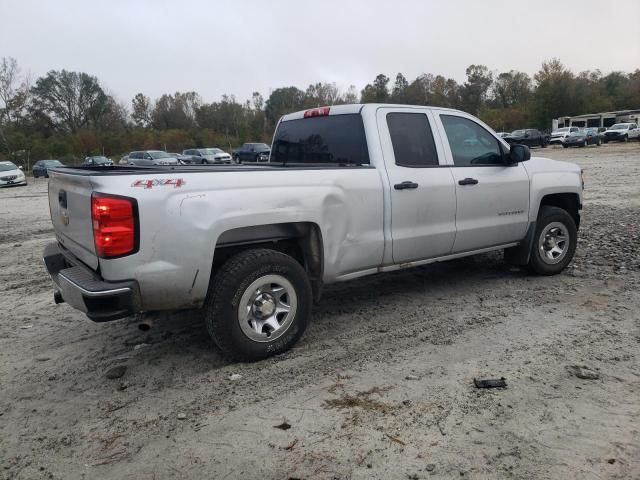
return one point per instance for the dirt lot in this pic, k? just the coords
(381, 385)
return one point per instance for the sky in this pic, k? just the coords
(237, 47)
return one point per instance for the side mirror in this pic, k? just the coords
(519, 153)
(20, 168)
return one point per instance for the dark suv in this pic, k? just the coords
(252, 152)
(529, 137)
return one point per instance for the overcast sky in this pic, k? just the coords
(237, 47)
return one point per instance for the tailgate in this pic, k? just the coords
(70, 207)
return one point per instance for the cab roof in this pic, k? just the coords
(353, 108)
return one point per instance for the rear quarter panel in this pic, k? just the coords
(179, 226)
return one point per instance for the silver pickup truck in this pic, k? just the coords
(348, 191)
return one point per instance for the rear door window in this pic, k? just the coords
(412, 140)
(332, 139)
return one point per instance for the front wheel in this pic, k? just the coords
(555, 241)
(625, 139)
(258, 305)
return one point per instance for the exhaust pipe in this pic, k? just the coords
(145, 325)
(57, 297)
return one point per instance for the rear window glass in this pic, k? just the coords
(334, 139)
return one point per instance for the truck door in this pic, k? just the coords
(492, 197)
(423, 203)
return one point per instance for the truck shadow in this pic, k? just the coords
(343, 307)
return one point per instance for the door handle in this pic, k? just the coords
(405, 185)
(468, 181)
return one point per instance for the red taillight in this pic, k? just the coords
(317, 112)
(114, 225)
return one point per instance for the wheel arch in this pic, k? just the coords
(570, 202)
(300, 240)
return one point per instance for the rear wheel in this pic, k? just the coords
(555, 241)
(258, 305)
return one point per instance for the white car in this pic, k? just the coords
(11, 175)
(559, 135)
(622, 132)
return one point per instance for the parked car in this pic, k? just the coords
(11, 175)
(147, 158)
(252, 152)
(558, 136)
(97, 161)
(257, 246)
(582, 138)
(182, 159)
(622, 132)
(41, 167)
(207, 155)
(529, 137)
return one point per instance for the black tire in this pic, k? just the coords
(565, 145)
(46, 175)
(625, 139)
(585, 144)
(606, 141)
(599, 142)
(232, 281)
(203, 162)
(549, 216)
(236, 159)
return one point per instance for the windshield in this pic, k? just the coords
(6, 166)
(330, 139)
(561, 130)
(212, 151)
(157, 155)
(620, 126)
(518, 133)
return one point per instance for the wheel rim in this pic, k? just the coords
(553, 243)
(267, 308)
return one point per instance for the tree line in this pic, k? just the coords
(68, 115)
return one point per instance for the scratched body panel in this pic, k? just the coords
(180, 226)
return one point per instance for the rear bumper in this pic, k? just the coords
(84, 290)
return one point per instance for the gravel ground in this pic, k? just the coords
(381, 385)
